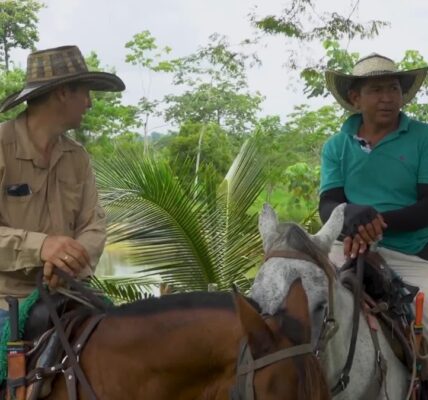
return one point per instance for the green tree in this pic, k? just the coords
(10, 82)
(417, 108)
(217, 91)
(304, 24)
(108, 118)
(145, 53)
(335, 58)
(18, 26)
(215, 154)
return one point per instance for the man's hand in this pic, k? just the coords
(65, 253)
(367, 235)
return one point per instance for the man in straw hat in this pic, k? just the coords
(49, 211)
(378, 164)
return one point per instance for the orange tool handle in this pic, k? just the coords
(419, 309)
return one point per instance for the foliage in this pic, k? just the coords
(123, 289)
(18, 26)
(187, 234)
(145, 53)
(217, 82)
(107, 118)
(302, 20)
(216, 153)
(338, 59)
(10, 82)
(303, 24)
(417, 108)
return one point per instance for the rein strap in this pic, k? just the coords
(274, 357)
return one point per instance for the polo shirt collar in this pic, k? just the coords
(353, 123)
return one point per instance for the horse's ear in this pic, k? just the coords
(296, 306)
(268, 223)
(260, 337)
(331, 229)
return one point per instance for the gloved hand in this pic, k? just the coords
(356, 215)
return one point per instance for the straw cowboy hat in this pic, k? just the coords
(371, 66)
(47, 69)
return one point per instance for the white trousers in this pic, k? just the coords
(412, 269)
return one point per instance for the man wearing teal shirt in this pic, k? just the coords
(378, 165)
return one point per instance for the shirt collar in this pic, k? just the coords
(353, 123)
(25, 149)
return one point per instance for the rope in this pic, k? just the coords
(416, 355)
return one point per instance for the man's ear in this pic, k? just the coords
(60, 93)
(354, 98)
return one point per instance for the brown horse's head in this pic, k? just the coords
(293, 378)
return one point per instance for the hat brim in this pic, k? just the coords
(339, 83)
(98, 81)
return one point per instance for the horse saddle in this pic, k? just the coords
(45, 351)
(383, 285)
(388, 297)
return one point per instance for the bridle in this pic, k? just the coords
(246, 367)
(328, 330)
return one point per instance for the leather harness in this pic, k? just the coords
(330, 325)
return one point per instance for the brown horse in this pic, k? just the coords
(186, 347)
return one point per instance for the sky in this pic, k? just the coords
(104, 26)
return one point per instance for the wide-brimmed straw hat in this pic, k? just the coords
(47, 69)
(373, 66)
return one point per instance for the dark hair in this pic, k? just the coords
(357, 84)
(72, 86)
(404, 81)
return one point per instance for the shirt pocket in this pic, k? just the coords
(71, 200)
(23, 212)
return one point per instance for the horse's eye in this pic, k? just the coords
(320, 307)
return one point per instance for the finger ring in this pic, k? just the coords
(66, 257)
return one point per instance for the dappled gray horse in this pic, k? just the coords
(279, 272)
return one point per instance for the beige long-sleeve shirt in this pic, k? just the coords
(62, 200)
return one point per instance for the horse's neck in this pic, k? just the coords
(198, 348)
(338, 346)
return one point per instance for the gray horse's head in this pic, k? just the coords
(276, 275)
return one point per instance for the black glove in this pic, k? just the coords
(355, 216)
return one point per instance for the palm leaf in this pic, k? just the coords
(187, 235)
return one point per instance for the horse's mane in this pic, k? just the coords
(181, 301)
(298, 240)
(312, 383)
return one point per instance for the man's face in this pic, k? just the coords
(379, 100)
(78, 101)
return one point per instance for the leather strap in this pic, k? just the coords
(358, 295)
(74, 363)
(275, 357)
(296, 255)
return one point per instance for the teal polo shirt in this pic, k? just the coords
(385, 178)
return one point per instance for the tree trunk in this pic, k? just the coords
(6, 55)
(198, 155)
(146, 135)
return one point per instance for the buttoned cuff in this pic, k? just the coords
(29, 253)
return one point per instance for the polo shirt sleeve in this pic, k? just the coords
(331, 171)
(423, 161)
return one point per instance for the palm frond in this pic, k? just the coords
(180, 232)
